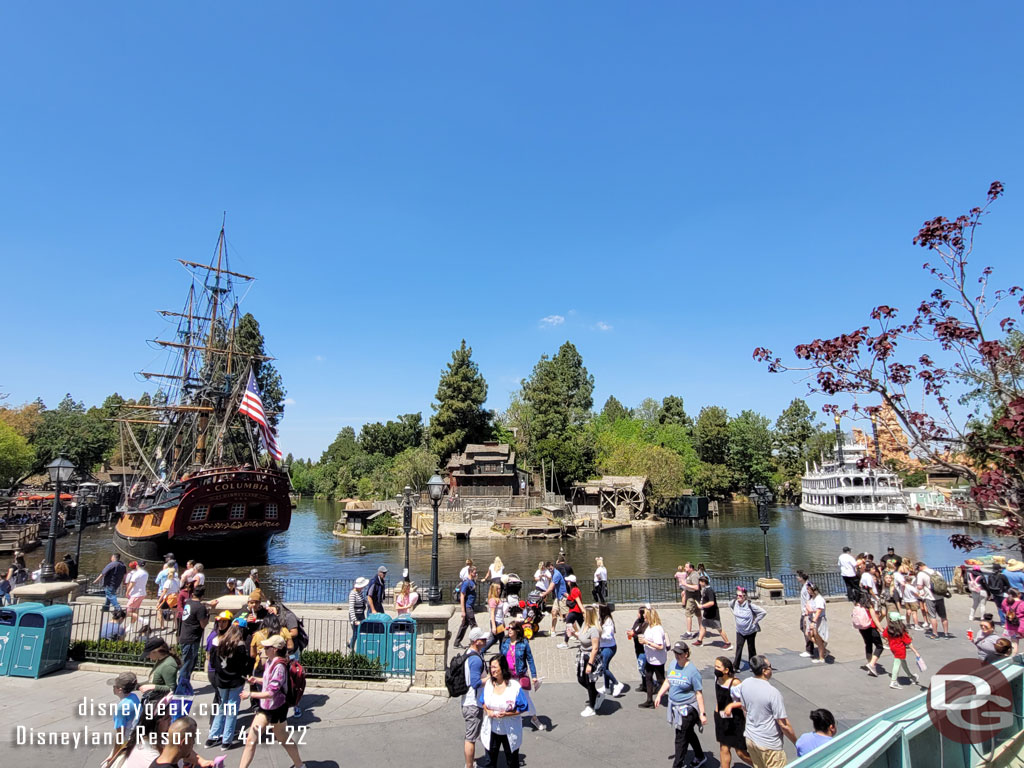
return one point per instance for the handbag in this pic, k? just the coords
(525, 682)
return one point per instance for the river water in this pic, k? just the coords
(730, 545)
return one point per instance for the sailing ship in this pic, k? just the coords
(841, 488)
(202, 483)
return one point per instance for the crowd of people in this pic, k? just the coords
(251, 656)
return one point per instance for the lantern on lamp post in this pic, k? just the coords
(435, 486)
(60, 471)
(762, 497)
(406, 498)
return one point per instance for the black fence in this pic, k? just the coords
(109, 637)
(335, 591)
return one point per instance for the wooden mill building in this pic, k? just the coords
(485, 470)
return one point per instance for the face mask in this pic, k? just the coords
(719, 673)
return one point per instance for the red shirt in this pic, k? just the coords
(574, 600)
(898, 644)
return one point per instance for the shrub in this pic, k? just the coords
(341, 666)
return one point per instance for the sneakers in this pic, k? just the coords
(729, 648)
(697, 642)
(212, 743)
(562, 646)
(587, 712)
(894, 685)
(228, 745)
(873, 671)
(805, 654)
(618, 689)
(697, 762)
(646, 705)
(817, 661)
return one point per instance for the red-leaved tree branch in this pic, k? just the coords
(951, 374)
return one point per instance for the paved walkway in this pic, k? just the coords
(373, 728)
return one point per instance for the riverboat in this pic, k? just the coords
(201, 485)
(842, 487)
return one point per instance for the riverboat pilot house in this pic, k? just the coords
(486, 470)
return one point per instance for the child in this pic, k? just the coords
(125, 686)
(910, 602)
(899, 641)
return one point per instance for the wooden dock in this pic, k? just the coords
(19, 538)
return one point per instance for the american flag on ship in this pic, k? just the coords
(252, 406)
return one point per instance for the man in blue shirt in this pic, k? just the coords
(113, 577)
(1014, 573)
(560, 590)
(471, 711)
(824, 729)
(467, 603)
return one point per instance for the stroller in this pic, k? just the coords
(528, 611)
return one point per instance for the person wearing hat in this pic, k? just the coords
(574, 615)
(125, 687)
(1014, 573)
(273, 706)
(376, 593)
(686, 703)
(467, 605)
(229, 665)
(230, 586)
(251, 583)
(163, 677)
(472, 714)
(356, 609)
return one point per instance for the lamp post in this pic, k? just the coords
(874, 435)
(762, 497)
(839, 443)
(407, 525)
(60, 470)
(435, 486)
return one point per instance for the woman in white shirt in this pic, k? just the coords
(655, 643)
(464, 573)
(542, 577)
(503, 702)
(608, 646)
(600, 582)
(495, 571)
(817, 623)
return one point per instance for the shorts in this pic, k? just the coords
(560, 607)
(691, 607)
(911, 605)
(279, 715)
(711, 624)
(474, 721)
(135, 603)
(574, 617)
(769, 758)
(937, 608)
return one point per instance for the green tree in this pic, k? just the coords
(394, 437)
(750, 451)
(249, 341)
(664, 468)
(16, 456)
(69, 430)
(412, 467)
(614, 410)
(795, 430)
(459, 416)
(673, 412)
(25, 419)
(711, 434)
(712, 480)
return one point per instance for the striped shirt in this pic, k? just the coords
(356, 606)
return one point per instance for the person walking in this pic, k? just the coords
(503, 702)
(608, 647)
(866, 621)
(574, 610)
(997, 587)
(377, 591)
(589, 664)
(869, 583)
(558, 589)
(685, 705)
(692, 589)
(710, 617)
(932, 587)
(636, 634)
(655, 643)
(167, 598)
(356, 609)
(495, 615)
(848, 570)
(273, 711)
(495, 571)
(899, 641)
(977, 588)
(1013, 610)
(600, 591)
(729, 718)
(112, 575)
(472, 713)
(824, 723)
(163, 678)
(766, 719)
(135, 582)
(805, 597)
(251, 583)
(517, 652)
(230, 663)
(194, 618)
(748, 623)
(817, 624)
(467, 604)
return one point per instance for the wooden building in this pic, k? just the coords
(485, 470)
(614, 497)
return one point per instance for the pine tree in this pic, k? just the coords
(459, 416)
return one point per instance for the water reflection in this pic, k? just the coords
(730, 545)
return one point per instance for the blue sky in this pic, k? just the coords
(671, 185)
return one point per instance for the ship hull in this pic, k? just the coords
(221, 515)
(896, 515)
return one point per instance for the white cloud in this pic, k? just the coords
(319, 358)
(551, 321)
(602, 326)
(289, 401)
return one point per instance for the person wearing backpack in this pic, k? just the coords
(933, 590)
(1013, 607)
(867, 621)
(273, 701)
(292, 624)
(979, 594)
(469, 686)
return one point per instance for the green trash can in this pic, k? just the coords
(374, 634)
(42, 641)
(402, 647)
(9, 618)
